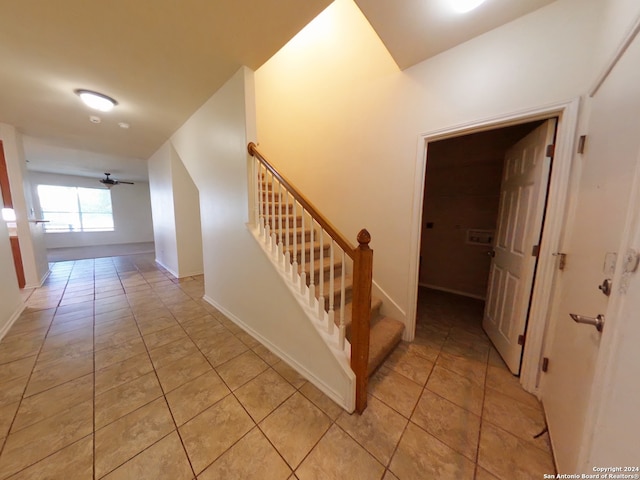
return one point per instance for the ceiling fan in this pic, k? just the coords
(109, 182)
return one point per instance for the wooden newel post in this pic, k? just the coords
(361, 316)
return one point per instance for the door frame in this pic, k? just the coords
(556, 212)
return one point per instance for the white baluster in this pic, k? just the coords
(321, 280)
(331, 319)
(287, 259)
(303, 264)
(295, 276)
(280, 226)
(274, 242)
(312, 270)
(259, 194)
(342, 329)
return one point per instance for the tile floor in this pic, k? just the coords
(116, 370)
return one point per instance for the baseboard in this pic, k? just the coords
(170, 270)
(451, 290)
(41, 281)
(346, 403)
(5, 329)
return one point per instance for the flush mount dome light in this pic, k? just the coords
(97, 101)
(464, 6)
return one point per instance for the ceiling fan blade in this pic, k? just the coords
(128, 183)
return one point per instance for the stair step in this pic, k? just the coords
(385, 334)
(348, 291)
(268, 209)
(376, 303)
(307, 249)
(298, 235)
(326, 270)
(286, 220)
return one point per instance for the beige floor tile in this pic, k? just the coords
(150, 323)
(337, 456)
(169, 353)
(16, 348)
(162, 337)
(474, 351)
(289, 374)
(247, 339)
(396, 390)
(119, 353)
(295, 427)
(388, 475)
(453, 425)
(72, 462)
(506, 456)
(61, 328)
(11, 391)
(482, 474)
(41, 439)
(7, 413)
(119, 401)
(126, 437)
(116, 337)
(164, 459)
(320, 400)
(122, 372)
(116, 326)
(58, 372)
(16, 369)
(457, 389)
(495, 360)
(378, 429)
(467, 367)
(515, 417)
(196, 395)
(264, 393)
(73, 348)
(252, 458)
(182, 370)
(411, 365)
(240, 370)
(503, 381)
(422, 349)
(265, 354)
(50, 402)
(229, 348)
(420, 455)
(211, 433)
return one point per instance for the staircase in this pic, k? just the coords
(333, 277)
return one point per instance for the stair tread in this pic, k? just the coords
(385, 334)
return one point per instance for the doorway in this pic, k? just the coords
(556, 213)
(462, 210)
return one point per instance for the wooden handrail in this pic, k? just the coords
(306, 204)
(362, 257)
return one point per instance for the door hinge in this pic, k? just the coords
(551, 149)
(535, 251)
(545, 364)
(562, 260)
(521, 339)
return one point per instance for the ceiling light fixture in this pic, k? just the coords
(95, 100)
(464, 6)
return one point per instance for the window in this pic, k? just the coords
(76, 209)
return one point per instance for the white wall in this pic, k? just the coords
(10, 301)
(333, 109)
(30, 234)
(162, 207)
(187, 211)
(239, 278)
(176, 214)
(131, 212)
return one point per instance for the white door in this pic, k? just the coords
(595, 229)
(522, 201)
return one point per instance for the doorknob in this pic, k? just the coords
(597, 322)
(491, 253)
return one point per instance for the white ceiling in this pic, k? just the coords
(161, 59)
(414, 30)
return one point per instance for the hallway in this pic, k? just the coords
(118, 370)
